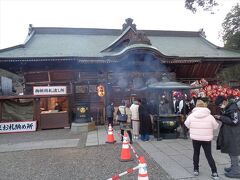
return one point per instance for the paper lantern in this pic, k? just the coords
(100, 90)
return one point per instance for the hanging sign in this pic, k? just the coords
(100, 90)
(21, 126)
(49, 90)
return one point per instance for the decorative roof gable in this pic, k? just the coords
(129, 24)
(129, 36)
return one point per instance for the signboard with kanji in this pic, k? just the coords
(21, 126)
(49, 90)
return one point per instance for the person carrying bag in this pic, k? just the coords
(124, 117)
(121, 114)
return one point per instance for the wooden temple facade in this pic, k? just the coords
(123, 61)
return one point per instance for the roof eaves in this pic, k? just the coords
(205, 59)
(222, 59)
(12, 48)
(105, 61)
(82, 60)
(182, 60)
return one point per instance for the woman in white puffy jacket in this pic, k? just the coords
(201, 125)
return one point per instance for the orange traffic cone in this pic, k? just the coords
(125, 153)
(110, 137)
(142, 171)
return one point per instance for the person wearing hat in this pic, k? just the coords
(201, 125)
(229, 135)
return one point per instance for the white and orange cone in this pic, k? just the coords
(142, 171)
(125, 153)
(110, 137)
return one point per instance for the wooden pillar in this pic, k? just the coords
(36, 112)
(69, 110)
(1, 102)
(71, 98)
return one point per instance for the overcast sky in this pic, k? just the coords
(16, 15)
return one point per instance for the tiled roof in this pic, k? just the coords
(85, 43)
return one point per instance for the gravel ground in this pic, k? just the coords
(88, 163)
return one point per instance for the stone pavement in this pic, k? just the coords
(173, 155)
(46, 139)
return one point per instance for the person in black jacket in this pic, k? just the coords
(229, 135)
(109, 113)
(145, 121)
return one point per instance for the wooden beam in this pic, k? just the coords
(33, 96)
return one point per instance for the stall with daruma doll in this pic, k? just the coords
(211, 91)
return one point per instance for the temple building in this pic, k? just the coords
(83, 69)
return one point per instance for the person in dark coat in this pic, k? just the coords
(229, 135)
(145, 121)
(109, 113)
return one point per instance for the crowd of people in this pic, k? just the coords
(198, 120)
(138, 123)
